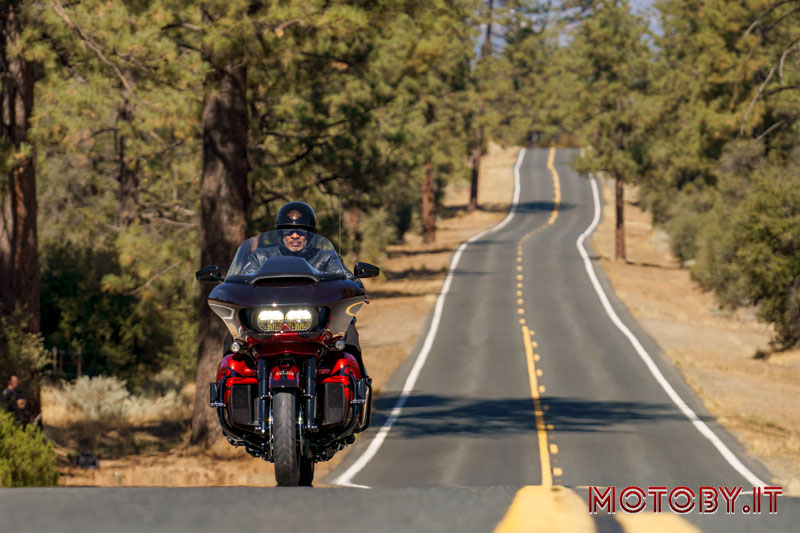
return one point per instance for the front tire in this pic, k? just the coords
(287, 458)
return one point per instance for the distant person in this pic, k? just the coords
(11, 393)
(21, 413)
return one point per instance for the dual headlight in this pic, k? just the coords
(273, 319)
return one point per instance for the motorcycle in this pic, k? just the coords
(287, 388)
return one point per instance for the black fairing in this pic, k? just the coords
(342, 296)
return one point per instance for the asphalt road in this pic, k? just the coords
(470, 419)
(529, 395)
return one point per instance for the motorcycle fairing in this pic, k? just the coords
(231, 300)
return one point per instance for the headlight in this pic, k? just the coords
(269, 320)
(272, 319)
(299, 319)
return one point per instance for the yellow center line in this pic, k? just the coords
(536, 389)
(546, 509)
(556, 185)
(538, 412)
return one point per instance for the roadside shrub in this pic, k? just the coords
(686, 217)
(765, 228)
(98, 399)
(26, 458)
(715, 265)
(748, 245)
(106, 401)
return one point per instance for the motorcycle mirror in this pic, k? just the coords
(365, 270)
(208, 274)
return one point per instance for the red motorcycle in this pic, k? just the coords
(287, 388)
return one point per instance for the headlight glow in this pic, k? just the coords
(299, 319)
(269, 320)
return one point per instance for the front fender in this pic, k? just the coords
(284, 377)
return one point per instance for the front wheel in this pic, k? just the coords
(287, 458)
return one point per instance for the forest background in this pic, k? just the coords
(140, 140)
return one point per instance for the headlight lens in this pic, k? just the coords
(299, 319)
(269, 320)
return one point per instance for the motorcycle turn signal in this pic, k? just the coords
(337, 345)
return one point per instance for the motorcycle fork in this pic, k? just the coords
(263, 396)
(310, 394)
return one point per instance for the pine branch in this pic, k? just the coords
(95, 48)
(765, 13)
(770, 129)
(792, 48)
(781, 89)
(183, 25)
(756, 97)
(154, 277)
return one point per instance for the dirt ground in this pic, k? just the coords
(400, 301)
(724, 355)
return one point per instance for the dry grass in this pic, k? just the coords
(757, 398)
(400, 301)
(99, 417)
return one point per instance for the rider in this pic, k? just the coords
(297, 225)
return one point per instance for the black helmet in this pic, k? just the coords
(296, 215)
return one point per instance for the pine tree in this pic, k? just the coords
(610, 58)
(19, 255)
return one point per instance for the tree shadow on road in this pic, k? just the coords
(428, 415)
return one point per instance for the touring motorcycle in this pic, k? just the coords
(287, 388)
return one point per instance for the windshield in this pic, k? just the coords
(314, 249)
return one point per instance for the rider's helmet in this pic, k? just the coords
(297, 215)
(296, 218)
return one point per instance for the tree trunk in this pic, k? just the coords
(619, 252)
(428, 207)
(487, 48)
(476, 168)
(224, 202)
(128, 176)
(19, 255)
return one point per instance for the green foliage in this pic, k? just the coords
(116, 122)
(353, 100)
(610, 57)
(725, 94)
(704, 114)
(122, 323)
(749, 251)
(27, 459)
(21, 354)
(346, 99)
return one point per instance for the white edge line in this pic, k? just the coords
(704, 430)
(345, 478)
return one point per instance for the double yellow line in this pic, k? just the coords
(527, 333)
(545, 507)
